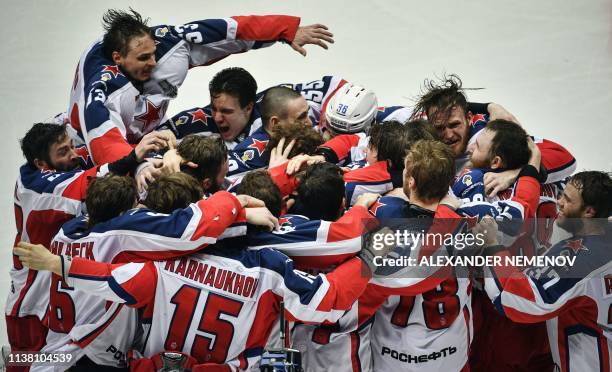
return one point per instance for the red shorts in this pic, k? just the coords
(25, 334)
(502, 345)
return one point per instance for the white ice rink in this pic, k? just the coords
(548, 61)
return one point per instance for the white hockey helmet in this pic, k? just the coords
(351, 109)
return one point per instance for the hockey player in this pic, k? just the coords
(125, 80)
(230, 296)
(345, 346)
(316, 232)
(248, 119)
(387, 146)
(49, 191)
(260, 185)
(502, 145)
(279, 107)
(575, 300)
(115, 232)
(446, 107)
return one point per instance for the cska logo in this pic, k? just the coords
(576, 245)
(114, 69)
(374, 208)
(260, 146)
(198, 115)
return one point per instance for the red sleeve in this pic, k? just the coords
(346, 283)
(444, 211)
(352, 224)
(286, 183)
(341, 145)
(78, 187)
(219, 212)
(109, 147)
(267, 28)
(376, 172)
(133, 283)
(527, 193)
(558, 162)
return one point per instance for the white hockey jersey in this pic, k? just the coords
(220, 307)
(108, 111)
(81, 322)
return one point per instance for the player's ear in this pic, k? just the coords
(117, 58)
(469, 116)
(249, 107)
(496, 162)
(206, 184)
(411, 183)
(589, 212)
(272, 123)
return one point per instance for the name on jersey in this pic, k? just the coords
(423, 358)
(214, 277)
(76, 249)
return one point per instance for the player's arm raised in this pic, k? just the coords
(133, 283)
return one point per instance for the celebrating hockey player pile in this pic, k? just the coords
(201, 228)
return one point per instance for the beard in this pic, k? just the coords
(572, 224)
(66, 167)
(480, 164)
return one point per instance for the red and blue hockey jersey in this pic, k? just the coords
(316, 244)
(80, 322)
(43, 201)
(575, 300)
(220, 307)
(109, 112)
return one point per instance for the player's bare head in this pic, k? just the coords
(121, 27)
(232, 97)
(210, 155)
(390, 140)
(48, 146)
(306, 138)
(595, 191)
(445, 105)
(260, 185)
(109, 197)
(320, 192)
(586, 200)
(173, 191)
(236, 82)
(128, 43)
(502, 144)
(281, 105)
(429, 170)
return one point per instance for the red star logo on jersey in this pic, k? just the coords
(471, 221)
(381, 108)
(198, 115)
(374, 208)
(576, 245)
(259, 145)
(114, 69)
(150, 115)
(477, 117)
(283, 220)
